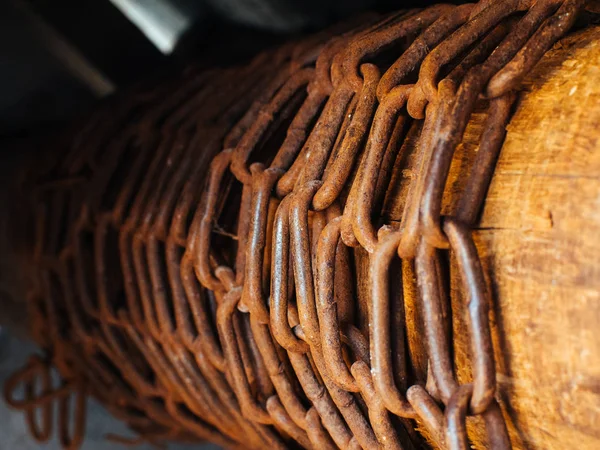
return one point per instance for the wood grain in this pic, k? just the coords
(539, 237)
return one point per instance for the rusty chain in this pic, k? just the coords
(196, 252)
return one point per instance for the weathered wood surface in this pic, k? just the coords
(539, 236)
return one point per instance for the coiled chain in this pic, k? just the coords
(211, 260)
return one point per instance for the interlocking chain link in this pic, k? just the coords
(198, 248)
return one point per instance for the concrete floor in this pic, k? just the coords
(14, 434)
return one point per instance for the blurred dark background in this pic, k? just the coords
(57, 57)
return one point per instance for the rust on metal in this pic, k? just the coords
(194, 264)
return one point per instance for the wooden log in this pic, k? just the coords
(539, 237)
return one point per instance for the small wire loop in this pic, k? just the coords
(379, 416)
(545, 36)
(420, 47)
(280, 277)
(300, 245)
(35, 369)
(283, 420)
(259, 127)
(322, 138)
(197, 299)
(478, 306)
(335, 177)
(377, 142)
(455, 417)
(321, 401)
(27, 377)
(346, 227)
(347, 405)
(316, 433)
(72, 439)
(253, 297)
(296, 134)
(380, 336)
(203, 222)
(142, 276)
(370, 44)
(40, 432)
(430, 301)
(327, 308)
(461, 109)
(428, 412)
(250, 409)
(279, 374)
(356, 340)
(425, 90)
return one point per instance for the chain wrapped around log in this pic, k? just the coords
(212, 257)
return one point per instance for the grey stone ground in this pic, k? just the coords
(14, 435)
